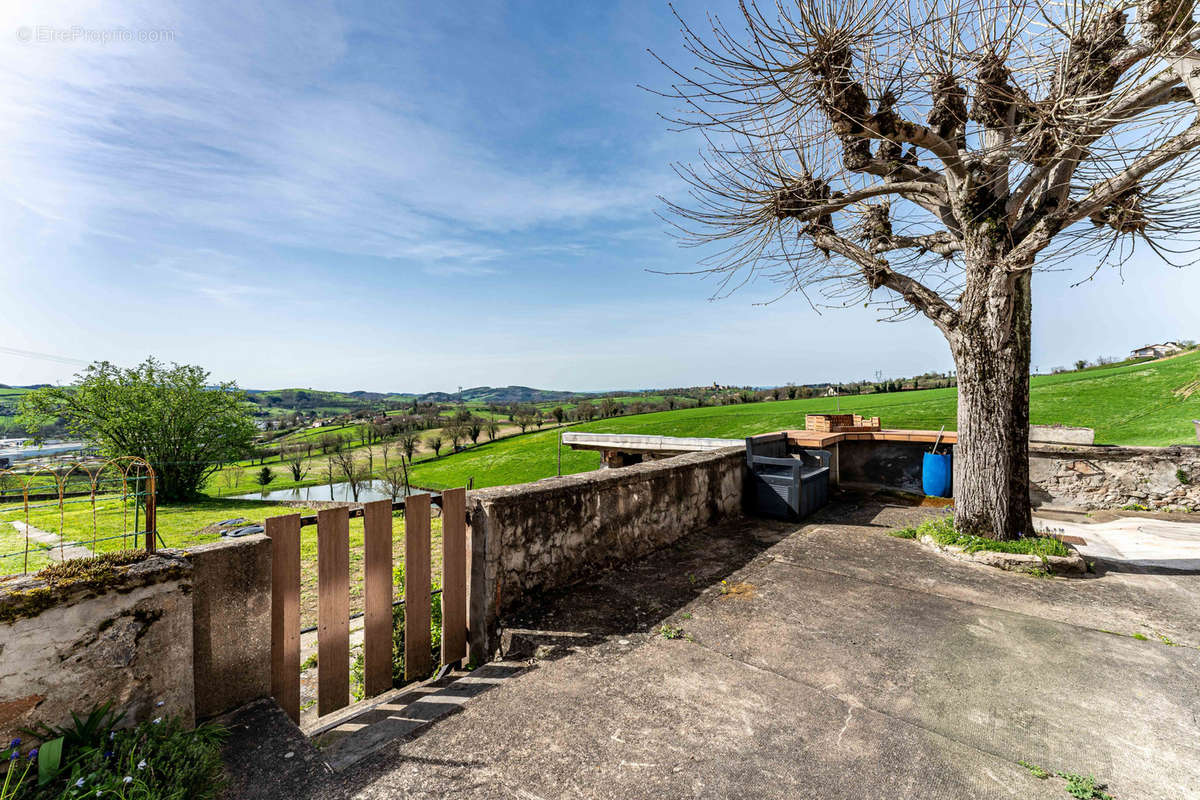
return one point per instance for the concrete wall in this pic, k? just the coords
(541, 536)
(895, 464)
(231, 623)
(68, 647)
(1093, 477)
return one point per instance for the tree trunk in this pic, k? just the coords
(991, 459)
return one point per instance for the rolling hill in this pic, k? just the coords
(1149, 403)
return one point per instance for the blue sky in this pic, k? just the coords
(409, 196)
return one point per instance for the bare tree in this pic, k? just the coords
(299, 470)
(353, 471)
(928, 155)
(231, 477)
(409, 441)
(524, 418)
(395, 481)
(474, 427)
(435, 444)
(457, 432)
(492, 429)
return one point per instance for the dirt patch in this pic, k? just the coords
(742, 590)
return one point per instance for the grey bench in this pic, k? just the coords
(786, 486)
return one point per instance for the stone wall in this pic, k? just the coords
(124, 636)
(541, 536)
(231, 623)
(1094, 477)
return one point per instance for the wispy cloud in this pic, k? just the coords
(234, 126)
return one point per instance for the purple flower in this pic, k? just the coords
(14, 744)
(33, 753)
(14, 755)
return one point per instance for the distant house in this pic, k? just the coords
(1156, 350)
(831, 391)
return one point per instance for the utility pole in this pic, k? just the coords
(560, 454)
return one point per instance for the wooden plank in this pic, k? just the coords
(454, 575)
(377, 595)
(285, 612)
(418, 658)
(333, 609)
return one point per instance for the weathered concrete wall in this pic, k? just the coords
(1061, 434)
(541, 536)
(895, 464)
(68, 647)
(1092, 477)
(231, 623)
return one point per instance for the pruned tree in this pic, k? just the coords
(299, 469)
(409, 441)
(926, 156)
(435, 444)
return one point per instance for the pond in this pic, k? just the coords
(372, 490)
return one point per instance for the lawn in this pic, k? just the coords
(1149, 403)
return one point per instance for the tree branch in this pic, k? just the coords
(1100, 195)
(808, 213)
(878, 272)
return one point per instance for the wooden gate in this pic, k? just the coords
(333, 590)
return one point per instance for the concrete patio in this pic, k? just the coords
(833, 662)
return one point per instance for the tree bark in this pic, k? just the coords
(991, 459)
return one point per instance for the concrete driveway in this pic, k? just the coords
(833, 662)
(1140, 540)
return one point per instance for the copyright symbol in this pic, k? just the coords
(24, 34)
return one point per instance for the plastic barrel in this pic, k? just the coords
(937, 475)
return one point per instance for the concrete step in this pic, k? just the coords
(351, 734)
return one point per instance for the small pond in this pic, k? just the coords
(373, 490)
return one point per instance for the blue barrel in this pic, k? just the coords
(937, 475)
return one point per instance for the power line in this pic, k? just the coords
(13, 351)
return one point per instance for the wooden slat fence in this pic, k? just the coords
(333, 589)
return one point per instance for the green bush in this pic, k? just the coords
(941, 530)
(155, 760)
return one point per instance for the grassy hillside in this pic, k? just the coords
(1149, 403)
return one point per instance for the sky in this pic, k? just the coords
(411, 196)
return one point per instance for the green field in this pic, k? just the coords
(1136, 404)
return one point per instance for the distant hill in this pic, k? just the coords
(503, 395)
